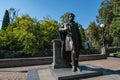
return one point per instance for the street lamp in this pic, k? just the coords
(102, 26)
(103, 39)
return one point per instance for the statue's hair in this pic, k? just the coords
(71, 14)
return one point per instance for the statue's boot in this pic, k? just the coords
(74, 68)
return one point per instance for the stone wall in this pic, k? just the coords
(41, 60)
(25, 61)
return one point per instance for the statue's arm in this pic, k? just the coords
(62, 32)
(63, 28)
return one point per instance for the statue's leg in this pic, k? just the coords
(72, 57)
(62, 50)
(74, 61)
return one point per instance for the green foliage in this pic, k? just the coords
(105, 12)
(92, 31)
(105, 16)
(93, 34)
(112, 50)
(90, 51)
(6, 20)
(82, 32)
(110, 16)
(49, 31)
(115, 25)
(116, 7)
(64, 17)
(117, 54)
(29, 35)
(13, 54)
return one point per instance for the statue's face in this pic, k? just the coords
(71, 18)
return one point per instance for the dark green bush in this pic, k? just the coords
(13, 54)
(18, 54)
(112, 50)
(21, 54)
(90, 51)
(1, 55)
(117, 54)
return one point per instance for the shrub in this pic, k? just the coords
(89, 51)
(13, 54)
(112, 50)
(1, 55)
(117, 54)
(22, 54)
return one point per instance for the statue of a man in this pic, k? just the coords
(71, 38)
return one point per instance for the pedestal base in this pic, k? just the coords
(68, 74)
(60, 74)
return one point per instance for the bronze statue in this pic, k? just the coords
(71, 38)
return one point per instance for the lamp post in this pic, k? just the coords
(103, 40)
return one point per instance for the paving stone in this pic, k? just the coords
(20, 73)
(105, 77)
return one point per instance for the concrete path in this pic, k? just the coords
(20, 73)
(110, 68)
(17, 73)
(110, 63)
(105, 77)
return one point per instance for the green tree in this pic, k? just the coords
(6, 20)
(115, 25)
(93, 34)
(64, 17)
(29, 35)
(82, 32)
(105, 12)
(49, 31)
(106, 16)
(27, 31)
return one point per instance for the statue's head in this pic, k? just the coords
(71, 17)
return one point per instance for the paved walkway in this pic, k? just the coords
(106, 77)
(17, 73)
(110, 63)
(20, 73)
(110, 68)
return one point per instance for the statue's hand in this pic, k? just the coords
(63, 29)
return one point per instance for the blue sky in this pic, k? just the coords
(84, 10)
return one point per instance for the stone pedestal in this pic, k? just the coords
(61, 74)
(59, 70)
(58, 61)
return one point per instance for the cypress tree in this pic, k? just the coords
(6, 20)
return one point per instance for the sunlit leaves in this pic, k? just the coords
(28, 34)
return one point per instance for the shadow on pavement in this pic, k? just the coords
(103, 70)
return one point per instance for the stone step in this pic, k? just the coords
(67, 74)
(60, 74)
